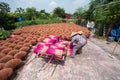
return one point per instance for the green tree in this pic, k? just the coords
(4, 7)
(43, 11)
(112, 13)
(6, 21)
(59, 12)
(31, 13)
(42, 14)
(105, 13)
(79, 12)
(19, 10)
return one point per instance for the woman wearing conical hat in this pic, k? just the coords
(78, 41)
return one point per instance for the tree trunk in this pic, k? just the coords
(109, 29)
(101, 28)
(105, 30)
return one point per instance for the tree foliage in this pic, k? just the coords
(79, 13)
(6, 20)
(19, 10)
(42, 14)
(4, 7)
(59, 12)
(104, 12)
(31, 13)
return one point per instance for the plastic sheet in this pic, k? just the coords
(115, 33)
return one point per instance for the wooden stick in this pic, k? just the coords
(48, 62)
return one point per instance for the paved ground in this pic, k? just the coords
(107, 47)
(92, 64)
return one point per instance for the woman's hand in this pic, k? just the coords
(72, 44)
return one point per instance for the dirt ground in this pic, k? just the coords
(93, 64)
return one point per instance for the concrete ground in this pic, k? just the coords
(93, 64)
(108, 47)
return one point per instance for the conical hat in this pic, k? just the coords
(74, 33)
(80, 32)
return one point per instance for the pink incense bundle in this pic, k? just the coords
(37, 49)
(54, 37)
(58, 46)
(53, 51)
(12, 36)
(69, 50)
(44, 44)
(50, 40)
(41, 47)
(64, 42)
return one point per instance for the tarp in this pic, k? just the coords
(115, 33)
(20, 18)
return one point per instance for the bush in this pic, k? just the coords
(37, 21)
(6, 21)
(21, 24)
(4, 34)
(33, 22)
(71, 20)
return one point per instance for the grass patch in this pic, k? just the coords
(71, 20)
